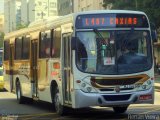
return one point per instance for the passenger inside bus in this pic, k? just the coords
(130, 55)
(45, 45)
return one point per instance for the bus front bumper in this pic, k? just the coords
(83, 99)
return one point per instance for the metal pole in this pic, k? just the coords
(27, 12)
(41, 14)
(8, 2)
(136, 4)
(48, 7)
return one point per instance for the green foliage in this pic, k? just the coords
(20, 26)
(1, 39)
(150, 7)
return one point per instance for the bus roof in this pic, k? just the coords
(58, 20)
(110, 11)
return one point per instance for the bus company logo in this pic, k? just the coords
(117, 89)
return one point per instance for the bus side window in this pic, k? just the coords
(18, 48)
(56, 43)
(26, 47)
(45, 44)
(6, 50)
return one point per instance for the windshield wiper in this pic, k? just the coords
(103, 41)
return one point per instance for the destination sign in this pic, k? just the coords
(111, 21)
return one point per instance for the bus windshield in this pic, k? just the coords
(113, 52)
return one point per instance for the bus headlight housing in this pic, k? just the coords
(85, 87)
(146, 85)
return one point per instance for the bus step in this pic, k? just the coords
(13, 91)
(35, 98)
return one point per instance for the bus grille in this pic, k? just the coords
(108, 82)
(112, 89)
(116, 97)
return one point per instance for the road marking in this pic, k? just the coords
(157, 90)
(35, 115)
(150, 111)
(141, 107)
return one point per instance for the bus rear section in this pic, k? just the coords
(113, 60)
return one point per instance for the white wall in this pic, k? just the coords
(24, 12)
(85, 5)
(10, 15)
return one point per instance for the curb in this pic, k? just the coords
(157, 86)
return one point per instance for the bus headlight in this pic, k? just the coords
(85, 87)
(146, 85)
(148, 82)
(89, 89)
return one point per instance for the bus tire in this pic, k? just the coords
(121, 109)
(59, 108)
(20, 98)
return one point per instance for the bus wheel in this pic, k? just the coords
(120, 109)
(20, 98)
(59, 108)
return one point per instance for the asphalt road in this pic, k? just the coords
(9, 108)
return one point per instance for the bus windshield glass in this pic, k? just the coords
(113, 51)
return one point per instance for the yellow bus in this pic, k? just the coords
(1, 56)
(1, 79)
(94, 58)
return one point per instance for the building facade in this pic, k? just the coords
(1, 23)
(32, 10)
(69, 6)
(85, 5)
(23, 12)
(10, 15)
(18, 13)
(41, 9)
(65, 7)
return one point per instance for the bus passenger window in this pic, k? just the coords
(45, 44)
(26, 48)
(6, 50)
(56, 43)
(18, 48)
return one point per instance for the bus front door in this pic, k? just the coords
(34, 80)
(11, 67)
(66, 68)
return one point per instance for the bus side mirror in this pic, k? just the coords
(73, 43)
(154, 35)
(153, 32)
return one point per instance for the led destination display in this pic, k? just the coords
(111, 20)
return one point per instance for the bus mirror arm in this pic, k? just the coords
(73, 43)
(154, 35)
(153, 32)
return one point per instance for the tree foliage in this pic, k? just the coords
(150, 7)
(1, 39)
(20, 26)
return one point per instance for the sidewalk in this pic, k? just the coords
(157, 81)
